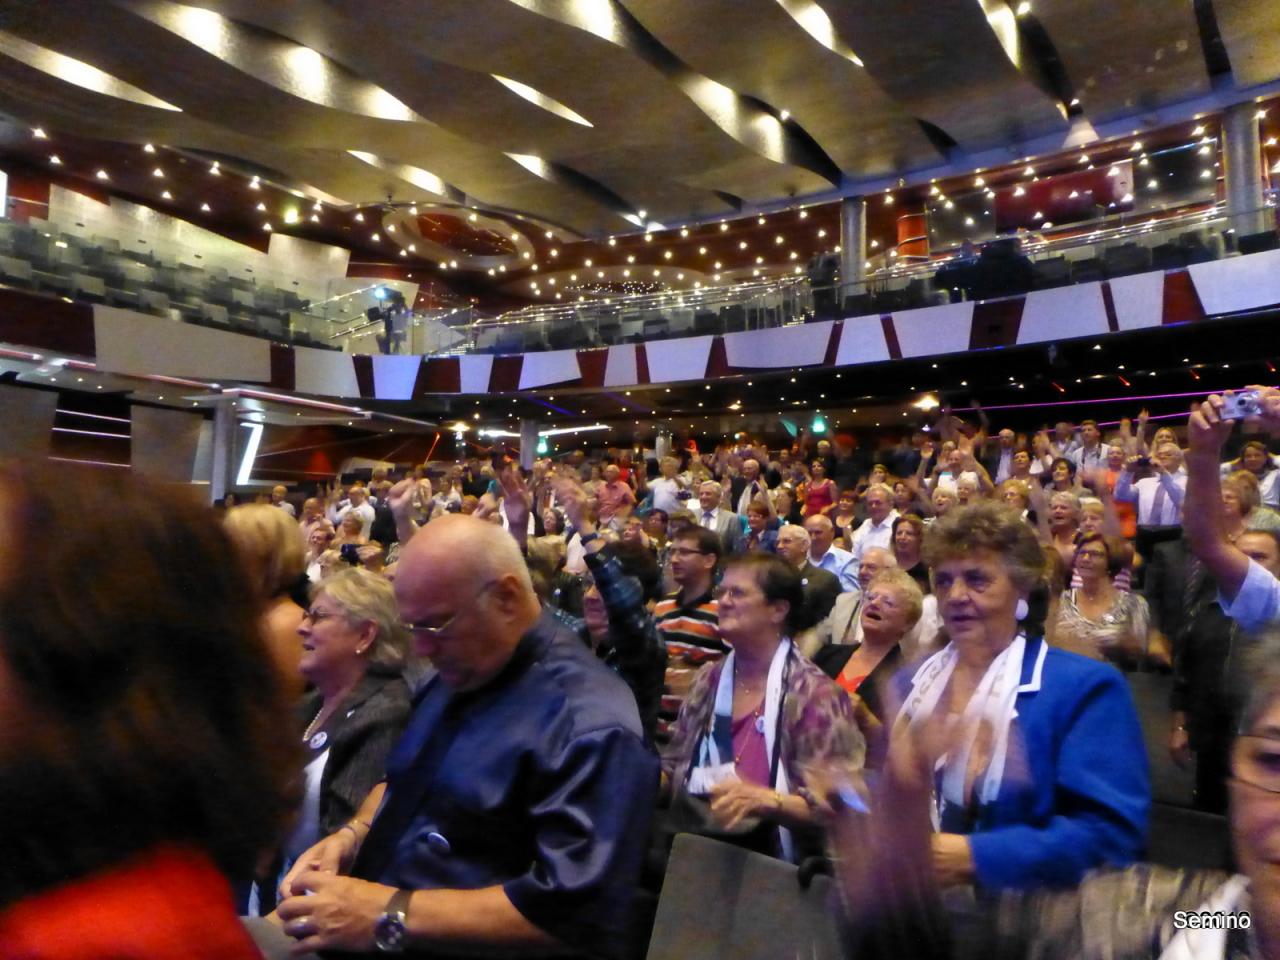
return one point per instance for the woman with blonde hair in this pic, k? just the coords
(270, 546)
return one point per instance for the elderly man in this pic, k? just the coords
(844, 625)
(666, 489)
(279, 498)
(614, 498)
(821, 588)
(877, 529)
(999, 461)
(822, 534)
(747, 487)
(514, 815)
(711, 517)
(1158, 498)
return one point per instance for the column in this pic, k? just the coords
(224, 466)
(853, 244)
(1242, 169)
(528, 442)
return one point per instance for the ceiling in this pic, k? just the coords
(586, 114)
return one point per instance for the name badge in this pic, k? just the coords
(319, 740)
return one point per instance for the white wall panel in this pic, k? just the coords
(930, 330)
(1062, 313)
(137, 343)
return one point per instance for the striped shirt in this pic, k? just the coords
(693, 639)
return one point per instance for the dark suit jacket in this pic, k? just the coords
(820, 590)
(361, 733)
(737, 485)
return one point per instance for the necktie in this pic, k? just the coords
(1157, 505)
(707, 518)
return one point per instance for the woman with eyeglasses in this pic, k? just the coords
(1144, 912)
(757, 722)
(354, 655)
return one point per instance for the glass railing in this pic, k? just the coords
(1114, 246)
(1122, 244)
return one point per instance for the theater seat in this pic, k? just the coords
(1188, 839)
(721, 902)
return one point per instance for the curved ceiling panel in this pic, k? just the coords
(769, 54)
(649, 137)
(1249, 29)
(76, 72)
(949, 64)
(207, 88)
(1120, 63)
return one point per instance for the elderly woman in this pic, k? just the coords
(1060, 524)
(1096, 619)
(1045, 775)
(891, 606)
(354, 658)
(1145, 912)
(756, 722)
(270, 545)
(144, 745)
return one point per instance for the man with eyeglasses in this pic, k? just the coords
(688, 619)
(514, 814)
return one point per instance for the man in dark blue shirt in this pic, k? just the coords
(514, 816)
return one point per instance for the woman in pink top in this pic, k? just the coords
(820, 496)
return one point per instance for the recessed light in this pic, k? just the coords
(102, 175)
(204, 207)
(166, 195)
(39, 134)
(55, 160)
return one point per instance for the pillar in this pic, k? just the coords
(224, 466)
(528, 442)
(1242, 169)
(853, 244)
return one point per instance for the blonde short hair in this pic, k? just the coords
(908, 589)
(270, 543)
(367, 597)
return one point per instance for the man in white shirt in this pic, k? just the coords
(1091, 454)
(1158, 498)
(822, 554)
(877, 529)
(1249, 592)
(1000, 463)
(666, 489)
(357, 503)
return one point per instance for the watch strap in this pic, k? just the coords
(399, 903)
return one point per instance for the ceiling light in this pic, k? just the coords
(1023, 9)
(742, 245)
(55, 160)
(723, 227)
(667, 255)
(215, 171)
(888, 200)
(613, 242)
(267, 227)
(102, 175)
(204, 207)
(631, 258)
(553, 252)
(760, 221)
(39, 134)
(262, 206)
(166, 195)
(1197, 131)
(821, 234)
(1028, 171)
(375, 238)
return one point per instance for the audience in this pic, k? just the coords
(821, 587)
(514, 811)
(825, 556)
(1095, 619)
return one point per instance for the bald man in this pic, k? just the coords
(514, 816)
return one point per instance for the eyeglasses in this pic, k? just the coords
(1256, 761)
(439, 630)
(317, 616)
(735, 593)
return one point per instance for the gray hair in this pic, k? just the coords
(367, 597)
(908, 589)
(795, 530)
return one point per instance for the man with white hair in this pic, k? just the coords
(514, 815)
(877, 529)
(711, 517)
(844, 624)
(746, 488)
(821, 588)
(357, 503)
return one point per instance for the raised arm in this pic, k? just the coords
(1203, 519)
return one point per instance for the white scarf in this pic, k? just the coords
(1190, 944)
(993, 702)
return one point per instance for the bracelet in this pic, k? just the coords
(349, 825)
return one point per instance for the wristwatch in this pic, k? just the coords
(585, 538)
(389, 931)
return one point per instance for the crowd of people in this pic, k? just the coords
(462, 708)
